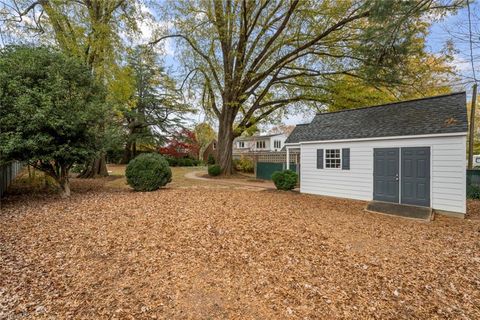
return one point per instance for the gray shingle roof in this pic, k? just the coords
(439, 114)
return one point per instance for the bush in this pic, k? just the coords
(78, 168)
(244, 164)
(473, 192)
(211, 159)
(285, 180)
(172, 162)
(148, 172)
(235, 164)
(214, 170)
(183, 162)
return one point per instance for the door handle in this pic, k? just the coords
(396, 177)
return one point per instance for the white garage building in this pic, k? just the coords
(411, 152)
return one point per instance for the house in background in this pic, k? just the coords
(410, 153)
(211, 149)
(269, 143)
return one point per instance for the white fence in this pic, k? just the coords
(271, 157)
(8, 172)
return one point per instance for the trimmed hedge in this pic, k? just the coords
(285, 180)
(183, 162)
(214, 170)
(148, 172)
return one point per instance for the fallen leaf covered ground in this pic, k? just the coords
(213, 252)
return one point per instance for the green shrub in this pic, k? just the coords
(196, 162)
(187, 162)
(244, 164)
(180, 162)
(285, 180)
(235, 164)
(148, 172)
(78, 168)
(172, 162)
(211, 159)
(214, 170)
(473, 192)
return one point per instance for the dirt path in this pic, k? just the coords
(264, 185)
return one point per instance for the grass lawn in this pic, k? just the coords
(198, 250)
(178, 176)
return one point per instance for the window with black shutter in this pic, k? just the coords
(346, 159)
(319, 158)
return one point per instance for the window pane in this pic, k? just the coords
(333, 158)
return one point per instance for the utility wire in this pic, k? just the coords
(471, 40)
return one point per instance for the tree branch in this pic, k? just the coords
(196, 49)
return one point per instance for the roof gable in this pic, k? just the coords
(434, 115)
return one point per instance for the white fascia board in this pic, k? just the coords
(454, 134)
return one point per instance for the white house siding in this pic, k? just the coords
(280, 138)
(448, 170)
(251, 144)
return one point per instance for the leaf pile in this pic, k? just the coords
(197, 253)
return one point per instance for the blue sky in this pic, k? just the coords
(453, 27)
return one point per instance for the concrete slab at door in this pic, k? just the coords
(416, 176)
(385, 174)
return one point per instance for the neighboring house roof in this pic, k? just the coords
(258, 137)
(439, 114)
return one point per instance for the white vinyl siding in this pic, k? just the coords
(448, 169)
(259, 143)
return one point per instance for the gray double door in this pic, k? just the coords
(402, 175)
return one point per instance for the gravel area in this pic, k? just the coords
(213, 253)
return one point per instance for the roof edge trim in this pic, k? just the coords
(433, 135)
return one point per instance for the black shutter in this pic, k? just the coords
(319, 158)
(346, 159)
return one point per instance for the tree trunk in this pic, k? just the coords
(134, 148)
(102, 168)
(64, 183)
(97, 168)
(225, 143)
(127, 154)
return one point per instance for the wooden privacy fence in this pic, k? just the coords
(266, 163)
(8, 172)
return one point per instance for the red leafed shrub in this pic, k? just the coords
(181, 145)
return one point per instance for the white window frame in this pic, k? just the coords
(325, 159)
(241, 144)
(277, 142)
(262, 143)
